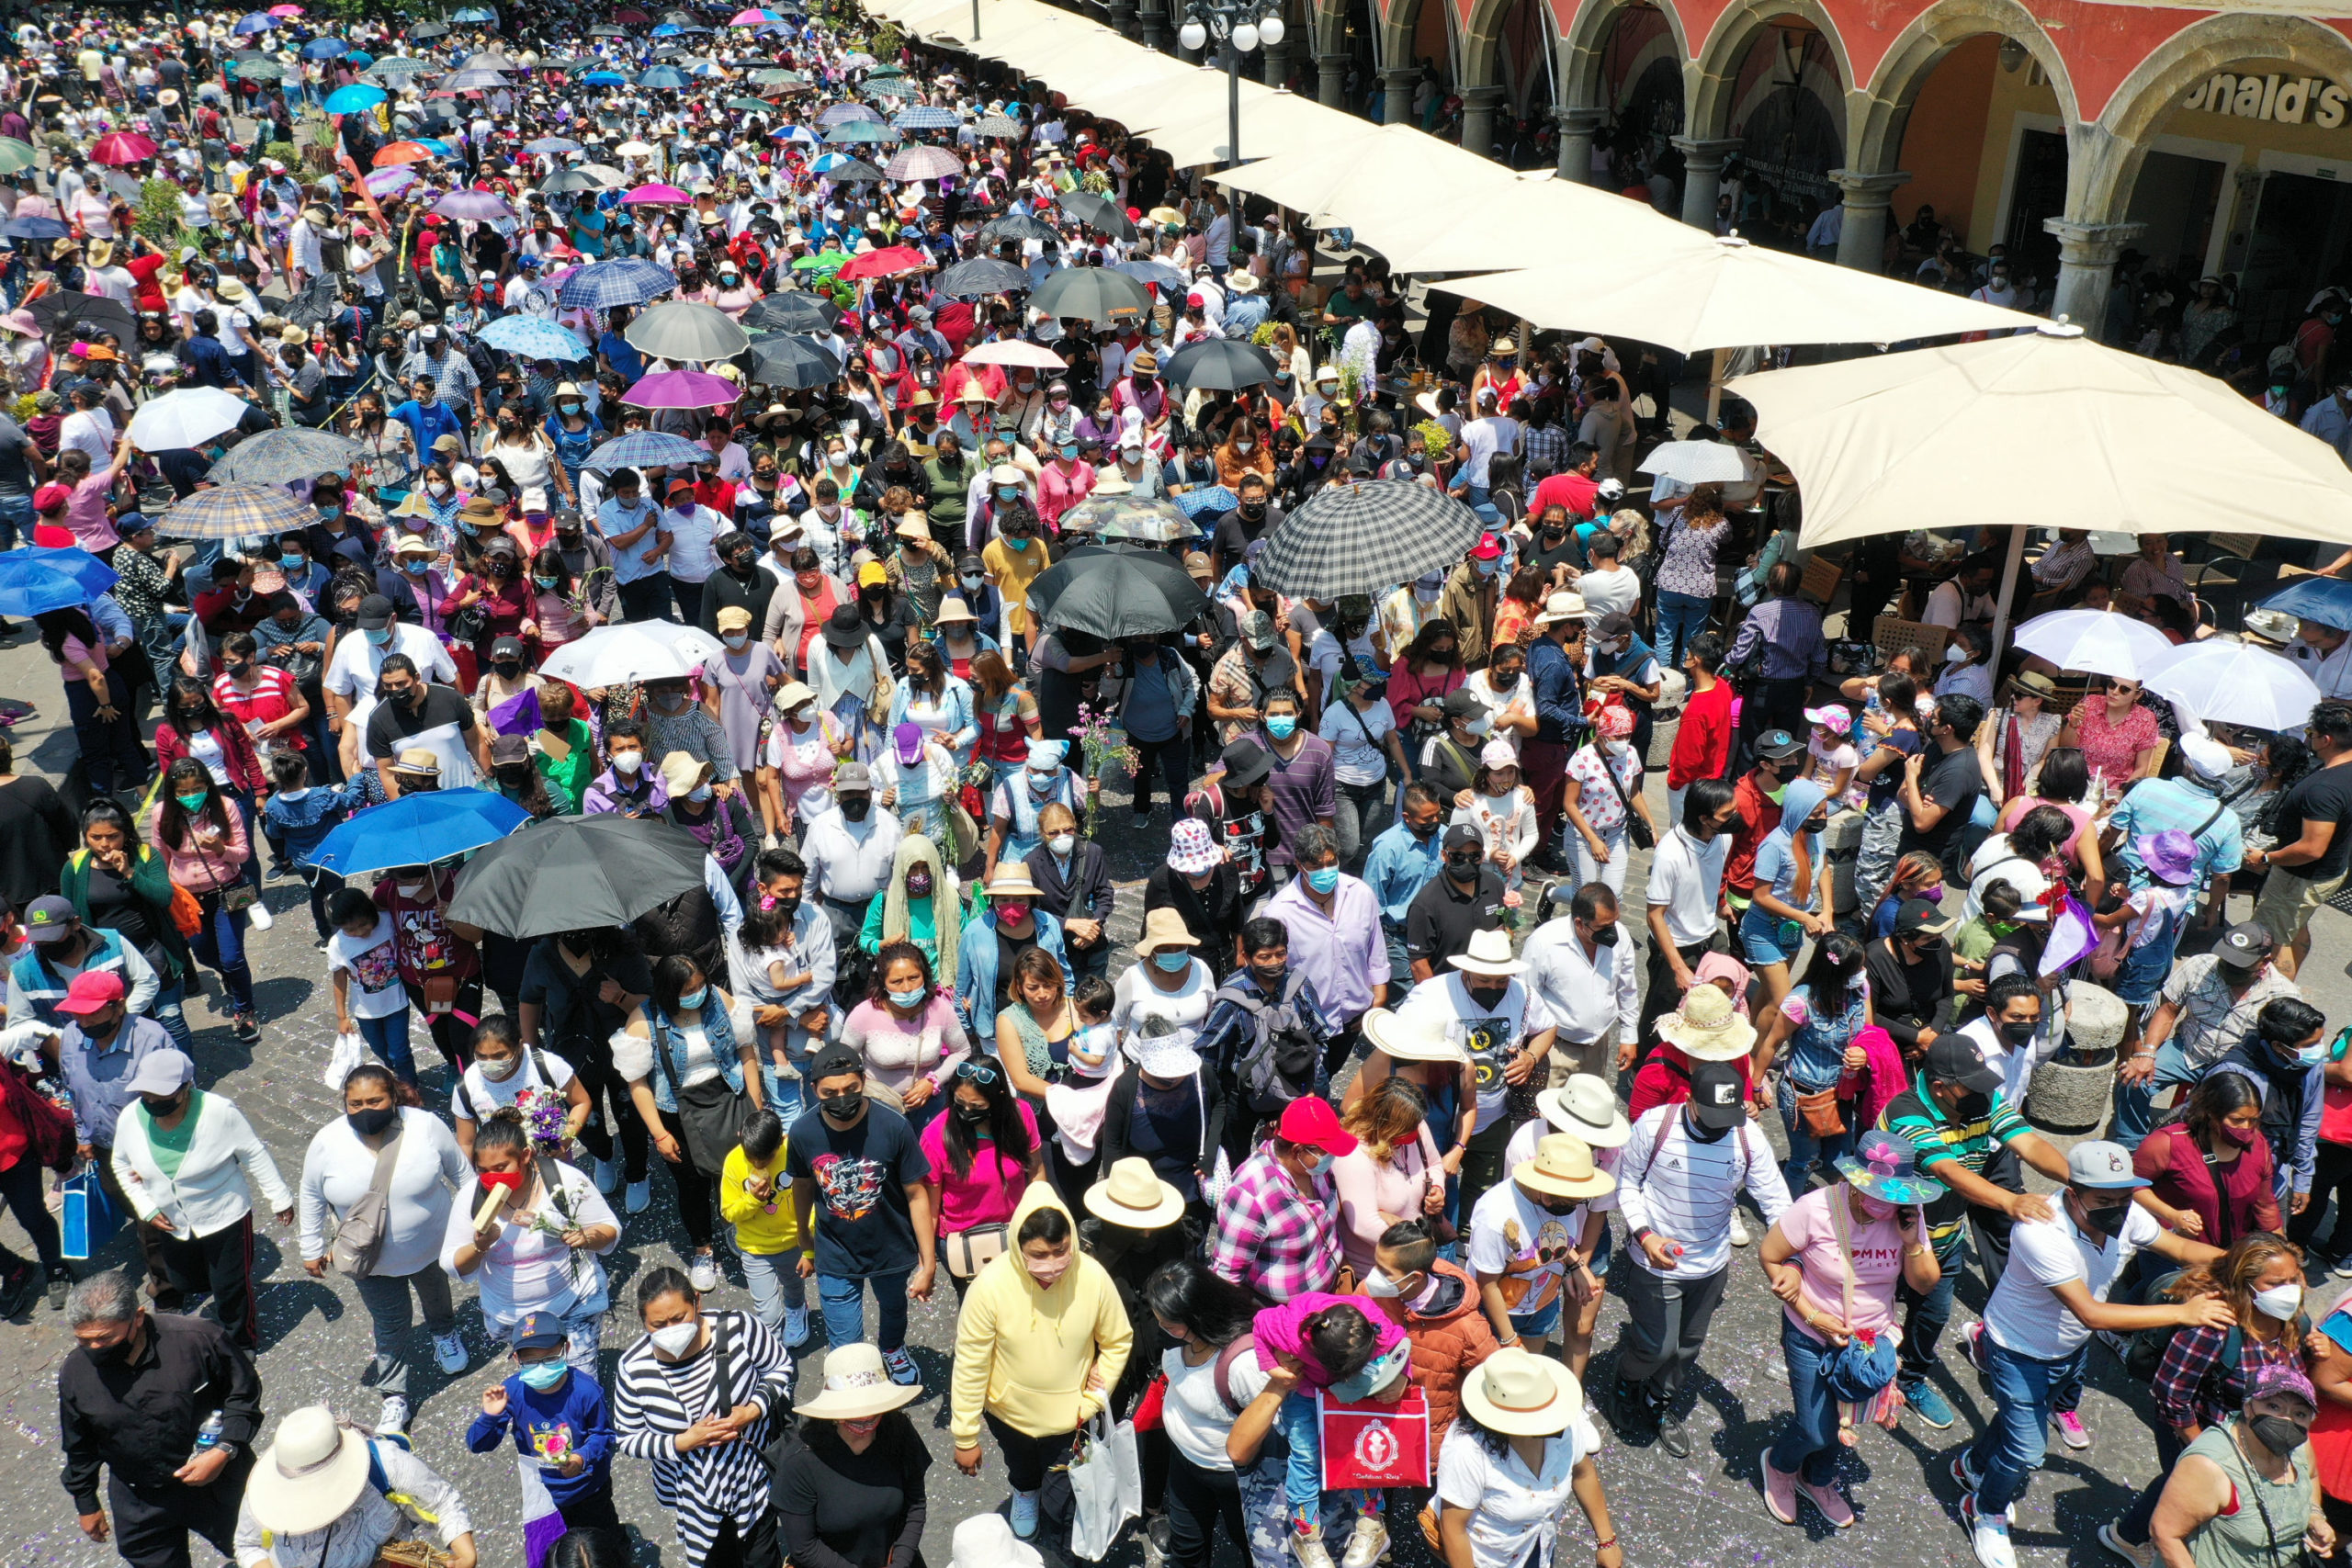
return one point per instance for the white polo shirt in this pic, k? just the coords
(1685, 879)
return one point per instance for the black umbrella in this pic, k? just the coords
(1016, 226)
(1112, 591)
(316, 305)
(980, 277)
(567, 182)
(570, 873)
(787, 359)
(429, 29)
(792, 310)
(85, 315)
(282, 457)
(1092, 294)
(1098, 213)
(1219, 363)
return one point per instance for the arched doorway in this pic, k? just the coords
(1641, 85)
(1787, 107)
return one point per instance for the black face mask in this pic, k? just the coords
(368, 1124)
(855, 806)
(1270, 980)
(1424, 829)
(2278, 1433)
(1973, 1106)
(1605, 936)
(1253, 510)
(115, 1354)
(843, 1107)
(2017, 1033)
(1703, 1132)
(509, 667)
(165, 1106)
(1489, 998)
(972, 1115)
(2107, 1218)
(1462, 871)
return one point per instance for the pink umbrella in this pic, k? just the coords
(752, 19)
(121, 148)
(286, 10)
(657, 195)
(383, 182)
(1017, 352)
(682, 389)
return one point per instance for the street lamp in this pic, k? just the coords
(1241, 26)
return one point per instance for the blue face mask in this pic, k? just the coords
(1004, 494)
(691, 1001)
(292, 563)
(908, 997)
(414, 566)
(330, 513)
(1174, 962)
(545, 1376)
(1325, 879)
(1282, 726)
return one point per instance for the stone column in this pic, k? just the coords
(2087, 256)
(1861, 239)
(1577, 127)
(1277, 66)
(1331, 81)
(1151, 22)
(1478, 107)
(1702, 177)
(1398, 98)
(1122, 18)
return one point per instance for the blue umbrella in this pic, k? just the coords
(358, 98)
(604, 79)
(324, 49)
(360, 57)
(800, 133)
(2327, 600)
(624, 280)
(34, 227)
(45, 578)
(534, 337)
(667, 29)
(1214, 501)
(253, 22)
(417, 830)
(645, 449)
(667, 77)
(439, 146)
(552, 144)
(473, 14)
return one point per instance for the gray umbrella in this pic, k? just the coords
(686, 329)
(789, 359)
(284, 457)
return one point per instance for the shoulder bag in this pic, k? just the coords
(360, 1240)
(966, 1252)
(235, 896)
(1637, 831)
(710, 1113)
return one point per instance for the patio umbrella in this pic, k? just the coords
(925, 162)
(891, 261)
(789, 359)
(685, 329)
(1140, 518)
(623, 280)
(2222, 678)
(122, 147)
(356, 98)
(418, 829)
(1364, 536)
(187, 417)
(535, 337)
(792, 310)
(85, 315)
(2327, 600)
(663, 78)
(284, 457)
(1016, 226)
(1112, 591)
(481, 205)
(2095, 642)
(657, 195)
(1093, 294)
(1097, 212)
(50, 578)
(645, 449)
(682, 389)
(1695, 462)
(233, 512)
(1218, 363)
(1017, 351)
(634, 651)
(570, 872)
(979, 277)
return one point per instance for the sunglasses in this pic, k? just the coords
(975, 1072)
(1470, 859)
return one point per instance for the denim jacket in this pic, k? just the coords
(670, 1043)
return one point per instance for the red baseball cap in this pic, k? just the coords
(1487, 548)
(92, 989)
(1310, 1120)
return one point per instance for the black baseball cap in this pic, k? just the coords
(1954, 1058)
(1918, 916)
(1778, 745)
(1718, 1097)
(375, 613)
(2244, 945)
(834, 1061)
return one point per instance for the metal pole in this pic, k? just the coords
(975, 21)
(2008, 591)
(1233, 100)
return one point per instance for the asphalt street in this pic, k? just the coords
(1704, 1511)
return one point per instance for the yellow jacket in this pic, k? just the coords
(762, 1227)
(1024, 1355)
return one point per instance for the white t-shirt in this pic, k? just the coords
(483, 1094)
(1356, 735)
(1514, 1517)
(375, 990)
(1610, 593)
(1137, 1000)
(1481, 441)
(1512, 1236)
(1995, 860)
(1490, 1038)
(1198, 1418)
(1685, 879)
(358, 661)
(2025, 1314)
(205, 747)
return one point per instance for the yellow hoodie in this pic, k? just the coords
(1024, 1354)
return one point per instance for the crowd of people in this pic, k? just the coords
(1339, 1136)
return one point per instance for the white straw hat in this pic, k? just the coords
(305, 1480)
(1522, 1395)
(1133, 1196)
(857, 1386)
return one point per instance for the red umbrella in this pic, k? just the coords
(892, 262)
(401, 153)
(122, 147)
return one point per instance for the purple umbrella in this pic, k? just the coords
(682, 389)
(483, 206)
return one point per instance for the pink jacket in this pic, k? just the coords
(1370, 1193)
(1884, 1072)
(1281, 1330)
(214, 868)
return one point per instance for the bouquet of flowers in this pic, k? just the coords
(544, 1112)
(1102, 742)
(554, 1218)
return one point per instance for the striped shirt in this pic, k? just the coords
(1937, 1135)
(653, 1401)
(1672, 1183)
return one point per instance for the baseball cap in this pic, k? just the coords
(375, 613)
(1258, 629)
(1778, 745)
(856, 778)
(162, 1072)
(834, 1061)
(1462, 836)
(541, 1331)
(92, 989)
(1954, 1058)
(1310, 1120)
(1462, 704)
(1488, 548)
(1197, 567)
(2244, 945)
(49, 918)
(1917, 917)
(2098, 1163)
(1717, 1096)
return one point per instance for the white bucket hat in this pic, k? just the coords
(309, 1476)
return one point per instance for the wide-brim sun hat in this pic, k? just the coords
(1407, 1038)
(1886, 1168)
(1706, 1029)
(1586, 1108)
(1522, 1394)
(857, 1386)
(1133, 1195)
(1563, 1167)
(309, 1475)
(1191, 850)
(1489, 954)
(1168, 1055)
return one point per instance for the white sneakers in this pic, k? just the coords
(1024, 1514)
(902, 1368)
(1989, 1534)
(393, 1417)
(640, 1196)
(1366, 1545)
(449, 1349)
(1738, 1228)
(702, 1272)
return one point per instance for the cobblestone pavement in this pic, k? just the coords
(1703, 1511)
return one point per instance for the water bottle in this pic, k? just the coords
(208, 1436)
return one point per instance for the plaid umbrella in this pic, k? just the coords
(1365, 537)
(924, 164)
(399, 65)
(926, 117)
(235, 512)
(645, 449)
(283, 457)
(624, 280)
(1214, 500)
(792, 310)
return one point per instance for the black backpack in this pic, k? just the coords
(1278, 1064)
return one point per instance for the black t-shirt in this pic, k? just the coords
(1440, 921)
(1910, 994)
(1009, 949)
(117, 908)
(857, 1503)
(2322, 796)
(1953, 781)
(1564, 552)
(864, 1227)
(1236, 533)
(393, 722)
(574, 1022)
(1213, 913)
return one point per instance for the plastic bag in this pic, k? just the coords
(346, 1053)
(1106, 1486)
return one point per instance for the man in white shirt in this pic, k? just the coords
(1482, 439)
(848, 851)
(692, 529)
(2039, 1321)
(350, 680)
(1686, 878)
(2324, 653)
(1580, 966)
(1482, 1005)
(1965, 596)
(1608, 587)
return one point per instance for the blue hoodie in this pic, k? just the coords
(574, 1412)
(1776, 860)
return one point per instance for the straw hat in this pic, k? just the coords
(1560, 606)
(954, 611)
(986, 1540)
(1705, 1029)
(1563, 1167)
(1133, 1196)
(1407, 1037)
(1011, 882)
(1163, 927)
(857, 1386)
(1489, 954)
(305, 1480)
(1522, 1395)
(417, 760)
(681, 771)
(1585, 1108)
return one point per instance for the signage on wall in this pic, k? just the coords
(2284, 100)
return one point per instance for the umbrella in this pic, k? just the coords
(253, 22)
(256, 70)
(571, 871)
(657, 195)
(360, 58)
(318, 304)
(924, 162)
(567, 181)
(418, 829)
(324, 49)
(750, 106)
(792, 310)
(85, 315)
(1210, 501)
(472, 79)
(356, 98)
(1112, 591)
(16, 155)
(1159, 274)
(604, 79)
(776, 76)
(753, 19)
(636, 650)
(685, 329)
(2237, 682)
(861, 132)
(843, 114)
(121, 148)
(1017, 351)
(233, 512)
(399, 65)
(2327, 600)
(423, 31)
(891, 261)
(926, 117)
(606, 29)
(799, 133)
(50, 578)
(664, 78)
(624, 280)
(881, 72)
(189, 417)
(1134, 517)
(996, 124)
(1016, 226)
(1363, 537)
(473, 14)
(1093, 294)
(1218, 363)
(646, 449)
(979, 277)
(286, 456)
(551, 144)
(894, 92)
(481, 205)
(2096, 642)
(682, 389)
(393, 153)
(1097, 212)
(284, 11)
(534, 337)
(385, 182)
(846, 170)
(32, 226)
(787, 359)
(1695, 462)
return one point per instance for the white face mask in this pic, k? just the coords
(1062, 843)
(2280, 1302)
(676, 1339)
(1955, 651)
(499, 1070)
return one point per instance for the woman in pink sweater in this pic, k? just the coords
(1394, 1174)
(203, 842)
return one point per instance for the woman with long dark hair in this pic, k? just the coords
(983, 1154)
(193, 726)
(2209, 1173)
(205, 849)
(1818, 1020)
(115, 882)
(98, 701)
(906, 1031)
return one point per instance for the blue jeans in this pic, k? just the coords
(2135, 1103)
(1810, 1439)
(2006, 1453)
(169, 1012)
(845, 1304)
(1924, 1318)
(1804, 1147)
(1303, 1476)
(388, 1037)
(15, 521)
(1680, 617)
(220, 943)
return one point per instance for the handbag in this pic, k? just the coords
(89, 1218)
(966, 1252)
(1818, 1111)
(710, 1114)
(235, 896)
(1855, 1371)
(1637, 831)
(359, 1238)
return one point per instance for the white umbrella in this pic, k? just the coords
(189, 417)
(640, 650)
(1017, 352)
(2096, 642)
(1695, 462)
(2237, 682)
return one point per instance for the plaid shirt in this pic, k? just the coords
(1272, 1240)
(2193, 1386)
(1547, 450)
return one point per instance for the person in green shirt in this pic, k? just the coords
(564, 750)
(910, 906)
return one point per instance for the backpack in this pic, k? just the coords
(1278, 1064)
(2145, 1354)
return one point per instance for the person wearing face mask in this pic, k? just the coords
(1014, 558)
(189, 1162)
(1302, 777)
(2263, 1454)
(1465, 897)
(1582, 969)
(422, 1167)
(1756, 807)
(2285, 1057)
(1791, 893)
(1195, 881)
(560, 1427)
(101, 1049)
(2039, 1320)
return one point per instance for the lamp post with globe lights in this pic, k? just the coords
(1241, 26)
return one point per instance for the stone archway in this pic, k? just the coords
(1713, 92)
(1581, 68)
(1495, 63)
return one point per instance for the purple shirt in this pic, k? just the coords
(1305, 790)
(1342, 953)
